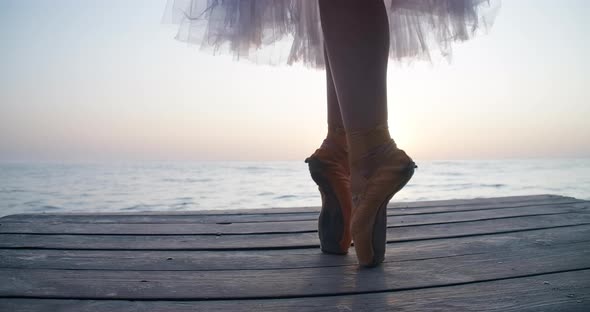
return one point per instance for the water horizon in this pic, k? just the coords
(134, 186)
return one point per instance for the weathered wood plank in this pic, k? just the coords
(287, 259)
(442, 255)
(313, 281)
(277, 227)
(560, 292)
(292, 214)
(274, 241)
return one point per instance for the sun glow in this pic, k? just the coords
(127, 90)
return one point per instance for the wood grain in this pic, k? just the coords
(87, 226)
(561, 292)
(522, 253)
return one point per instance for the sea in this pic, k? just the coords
(211, 185)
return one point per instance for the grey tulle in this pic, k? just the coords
(289, 31)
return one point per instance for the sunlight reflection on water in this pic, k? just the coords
(181, 186)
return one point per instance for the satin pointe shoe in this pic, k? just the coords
(394, 168)
(330, 170)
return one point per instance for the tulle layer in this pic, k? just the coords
(289, 31)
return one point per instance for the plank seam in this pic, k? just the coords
(345, 293)
(286, 212)
(286, 232)
(298, 246)
(256, 269)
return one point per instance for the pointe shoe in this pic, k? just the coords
(330, 170)
(370, 198)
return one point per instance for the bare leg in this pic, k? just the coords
(357, 43)
(334, 115)
(357, 37)
(329, 168)
(336, 138)
(357, 40)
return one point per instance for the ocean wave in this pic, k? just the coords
(186, 186)
(47, 208)
(140, 207)
(497, 185)
(184, 198)
(187, 180)
(452, 174)
(286, 197)
(13, 190)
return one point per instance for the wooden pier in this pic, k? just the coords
(526, 253)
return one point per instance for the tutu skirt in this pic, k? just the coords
(289, 31)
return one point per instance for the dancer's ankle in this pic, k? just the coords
(335, 139)
(366, 142)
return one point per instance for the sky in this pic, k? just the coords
(105, 80)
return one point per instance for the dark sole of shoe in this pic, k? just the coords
(330, 221)
(380, 224)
